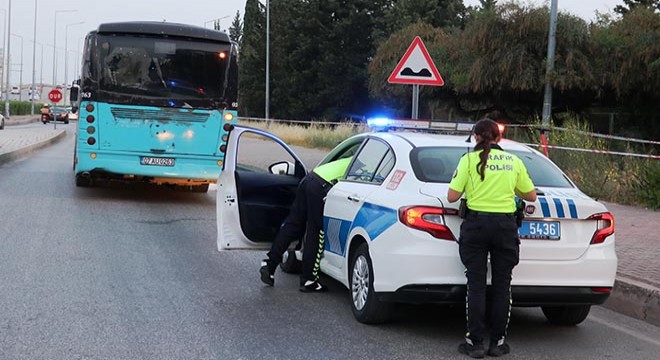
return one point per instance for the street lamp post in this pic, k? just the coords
(33, 88)
(20, 76)
(55, 44)
(4, 50)
(267, 63)
(547, 96)
(55, 54)
(41, 66)
(66, 57)
(8, 62)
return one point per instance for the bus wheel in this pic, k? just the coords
(83, 181)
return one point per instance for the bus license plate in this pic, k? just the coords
(147, 160)
(540, 230)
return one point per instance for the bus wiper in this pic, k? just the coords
(159, 72)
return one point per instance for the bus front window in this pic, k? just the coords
(163, 72)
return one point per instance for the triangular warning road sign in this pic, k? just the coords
(416, 67)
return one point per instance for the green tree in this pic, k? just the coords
(320, 50)
(252, 69)
(628, 61)
(236, 28)
(437, 13)
(499, 59)
(488, 4)
(630, 5)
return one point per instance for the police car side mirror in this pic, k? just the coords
(282, 168)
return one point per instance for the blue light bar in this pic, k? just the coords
(414, 124)
(378, 122)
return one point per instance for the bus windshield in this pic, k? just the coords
(164, 72)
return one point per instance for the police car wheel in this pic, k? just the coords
(566, 315)
(290, 264)
(366, 307)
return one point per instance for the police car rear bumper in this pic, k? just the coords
(522, 295)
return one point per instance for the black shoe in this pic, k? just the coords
(495, 350)
(473, 351)
(313, 287)
(267, 273)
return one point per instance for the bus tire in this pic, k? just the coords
(83, 181)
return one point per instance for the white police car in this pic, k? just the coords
(391, 236)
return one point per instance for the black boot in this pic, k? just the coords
(496, 350)
(267, 272)
(475, 351)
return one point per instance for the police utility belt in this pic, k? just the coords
(519, 214)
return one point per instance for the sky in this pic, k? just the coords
(95, 12)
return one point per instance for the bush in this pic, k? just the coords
(311, 135)
(20, 107)
(648, 189)
(608, 177)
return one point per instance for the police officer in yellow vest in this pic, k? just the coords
(305, 219)
(490, 179)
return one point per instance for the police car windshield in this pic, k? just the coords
(437, 164)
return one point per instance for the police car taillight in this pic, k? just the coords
(604, 227)
(426, 218)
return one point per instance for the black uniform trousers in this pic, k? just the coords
(305, 219)
(497, 235)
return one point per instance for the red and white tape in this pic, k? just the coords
(648, 156)
(604, 136)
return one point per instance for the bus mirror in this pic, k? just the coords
(73, 94)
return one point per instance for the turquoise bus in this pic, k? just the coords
(156, 102)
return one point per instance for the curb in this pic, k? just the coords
(16, 154)
(29, 120)
(635, 299)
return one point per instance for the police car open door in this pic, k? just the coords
(255, 189)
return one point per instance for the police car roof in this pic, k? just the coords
(423, 139)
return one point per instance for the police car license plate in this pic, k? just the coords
(147, 160)
(540, 230)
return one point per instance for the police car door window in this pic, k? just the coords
(367, 161)
(385, 167)
(270, 152)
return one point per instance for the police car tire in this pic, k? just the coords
(374, 311)
(290, 264)
(566, 315)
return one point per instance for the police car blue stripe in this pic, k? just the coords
(560, 208)
(336, 232)
(572, 209)
(375, 219)
(544, 207)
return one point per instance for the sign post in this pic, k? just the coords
(416, 68)
(54, 96)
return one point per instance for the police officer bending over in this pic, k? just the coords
(305, 219)
(490, 179)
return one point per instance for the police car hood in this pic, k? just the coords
(570, 207)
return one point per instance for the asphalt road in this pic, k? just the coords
(132, 272)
